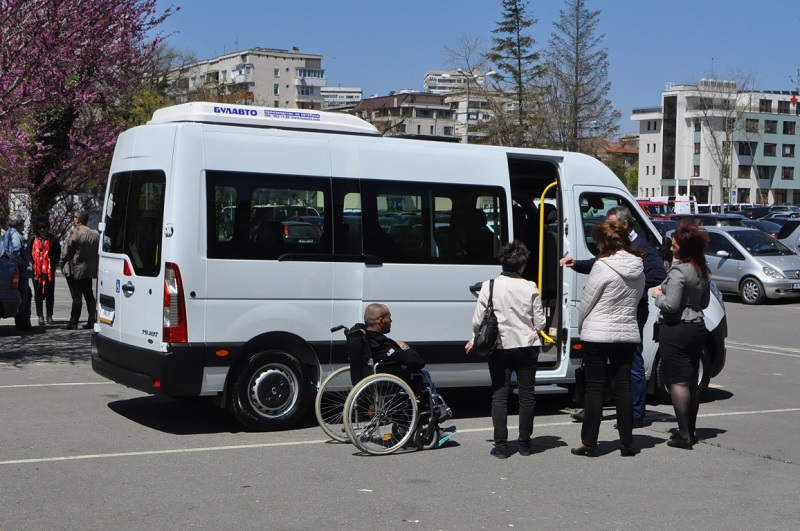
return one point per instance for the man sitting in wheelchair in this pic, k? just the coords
(378, 321)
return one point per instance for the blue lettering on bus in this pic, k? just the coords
(234, 110)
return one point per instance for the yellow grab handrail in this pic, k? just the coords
(547, 188)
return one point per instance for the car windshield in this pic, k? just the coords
(760, 243)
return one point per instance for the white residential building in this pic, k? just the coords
(261, 76)
(676, 144)
(339, 97)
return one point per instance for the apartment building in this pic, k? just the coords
(409, 113)
(260, 76)
(343, 98)
(720, 143)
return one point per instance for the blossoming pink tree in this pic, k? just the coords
(66, 67)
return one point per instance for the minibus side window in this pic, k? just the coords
(416, 222)
(264, 217)
(134, 219)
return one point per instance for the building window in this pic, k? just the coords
(744, 195)
(765, 105)
(783, 107)
(647, 170)
(276, 72)
(306, 91)
(400, 128)
(765, 172)
(697, 148)
(788, 128)
(787, 173)
(751, 125)
(276, 103)
(780, 196)
(746, 149)
(788, 150)
(648, 125)
(648, 147)
(770, 150)
(697, 125)
(276, 89)
(696, 170)
(770, 126)
(654, 148)
(744, 173)
(448, 131)
(654, 170)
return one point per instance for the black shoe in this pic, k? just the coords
(577, 417)
(71, 327)
(524, 448)
(627, 450)
(588, 451)
(677, 435)
(499, 452)
(88, 326)
(680, 442)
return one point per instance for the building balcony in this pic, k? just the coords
(241, 78)
(310, 82)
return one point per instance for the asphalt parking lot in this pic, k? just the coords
(79, 452)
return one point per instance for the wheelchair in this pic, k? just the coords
(380, 407)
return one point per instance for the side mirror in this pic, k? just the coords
(723, 254)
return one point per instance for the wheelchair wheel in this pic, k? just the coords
(381, 414)
(329, 405)
(424, 440)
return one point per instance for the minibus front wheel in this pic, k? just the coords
(269, 391)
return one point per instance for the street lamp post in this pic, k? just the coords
(469, 76)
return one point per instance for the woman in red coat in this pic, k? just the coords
(46, 253)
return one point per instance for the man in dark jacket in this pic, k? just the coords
(378, 321)
(654, 275)
(79, 264)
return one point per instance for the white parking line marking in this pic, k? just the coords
(764, 349)
(18, 386)
(319, 441)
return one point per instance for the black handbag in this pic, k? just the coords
(486, 337)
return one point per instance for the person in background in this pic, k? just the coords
(46, 255)
(654, 274)
(16, 248)
(79, 264)
(609, 333)
(520, 318)
(681, 298)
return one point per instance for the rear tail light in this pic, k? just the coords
(174, 306)
(15, 279)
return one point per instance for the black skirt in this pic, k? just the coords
(680, 345)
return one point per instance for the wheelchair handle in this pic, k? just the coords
(337, 328)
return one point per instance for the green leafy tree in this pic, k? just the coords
(577, 105)
(520, 69)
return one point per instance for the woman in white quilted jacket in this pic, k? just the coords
(609, 333)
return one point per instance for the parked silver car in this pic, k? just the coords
(752, 264)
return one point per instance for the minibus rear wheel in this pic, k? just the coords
(269, 392)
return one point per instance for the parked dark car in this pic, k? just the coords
(755, 212)
(769, 227)
(9, 294)
(300, 232)
(711, 220)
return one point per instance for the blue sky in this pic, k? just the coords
(382, 46)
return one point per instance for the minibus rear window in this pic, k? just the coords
(134, 219)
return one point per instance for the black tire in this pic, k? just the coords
(423, 441)
(661, 391)
(751, 291)
(270, 392)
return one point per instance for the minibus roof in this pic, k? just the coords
(268, 117)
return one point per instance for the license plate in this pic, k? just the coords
(106, 316)
(796, 285)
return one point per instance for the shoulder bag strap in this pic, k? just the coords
(490, 305)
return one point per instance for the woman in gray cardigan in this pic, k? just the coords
(681, 299)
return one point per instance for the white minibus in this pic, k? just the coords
(200, 295)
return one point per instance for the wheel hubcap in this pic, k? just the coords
(273, 391)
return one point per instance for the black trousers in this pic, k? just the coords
(595, 358)
(44, 296)
(502, 363)
(82, 288)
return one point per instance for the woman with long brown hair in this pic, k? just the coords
(609, 333)
(681, 298)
